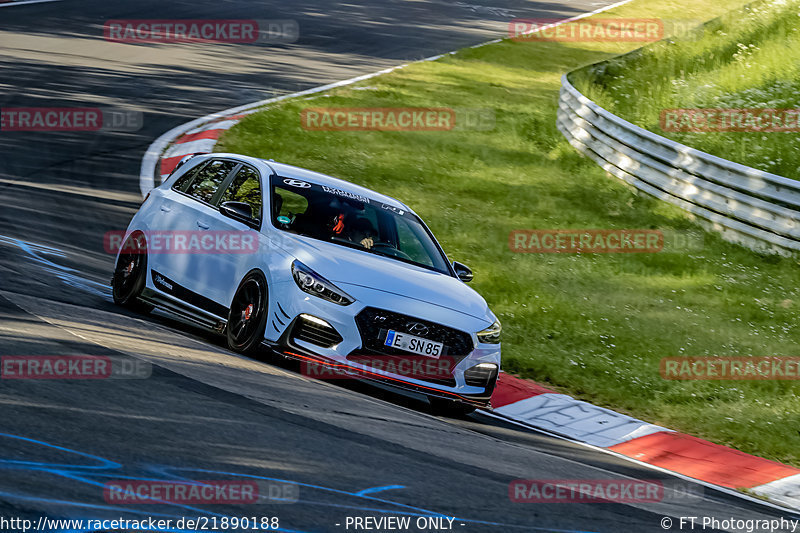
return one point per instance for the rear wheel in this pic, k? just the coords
(247, 318)
(449, 408)
(130, 274)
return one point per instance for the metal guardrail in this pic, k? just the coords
(748, 206)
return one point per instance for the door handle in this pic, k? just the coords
(166, 209)
(202, 225)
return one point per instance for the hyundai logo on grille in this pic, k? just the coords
(415, 328)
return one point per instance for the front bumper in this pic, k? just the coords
(351, 347)
(324, 368)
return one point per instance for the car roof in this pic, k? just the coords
(288, 171)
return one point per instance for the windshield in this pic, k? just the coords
(353, 220)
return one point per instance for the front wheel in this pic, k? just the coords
(247, 319)
(449, 408)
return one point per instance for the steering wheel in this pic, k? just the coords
(385, 247)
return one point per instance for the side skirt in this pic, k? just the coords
(189, 306)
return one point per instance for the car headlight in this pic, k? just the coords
(312, 283)
(491, 335)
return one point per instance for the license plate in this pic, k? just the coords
(414, 344)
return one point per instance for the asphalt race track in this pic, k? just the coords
(344, 449)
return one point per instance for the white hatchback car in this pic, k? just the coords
(317, 268)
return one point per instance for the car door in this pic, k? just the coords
(238, 243)
(190, 206)
(164, 217)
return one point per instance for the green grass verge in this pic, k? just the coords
(747, 59)
(594, 326)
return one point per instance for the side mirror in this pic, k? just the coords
(462, 271)
(239, 211)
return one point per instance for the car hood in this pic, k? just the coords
(344, 265)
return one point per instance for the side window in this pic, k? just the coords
(245, 187)
(288, 204)
(208, 179)
(184, 180)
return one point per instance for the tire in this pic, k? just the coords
(130, 274)
(247, 318)
(449, 408)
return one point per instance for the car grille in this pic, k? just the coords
(318, 334)
(373, 324)
(372, 321)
